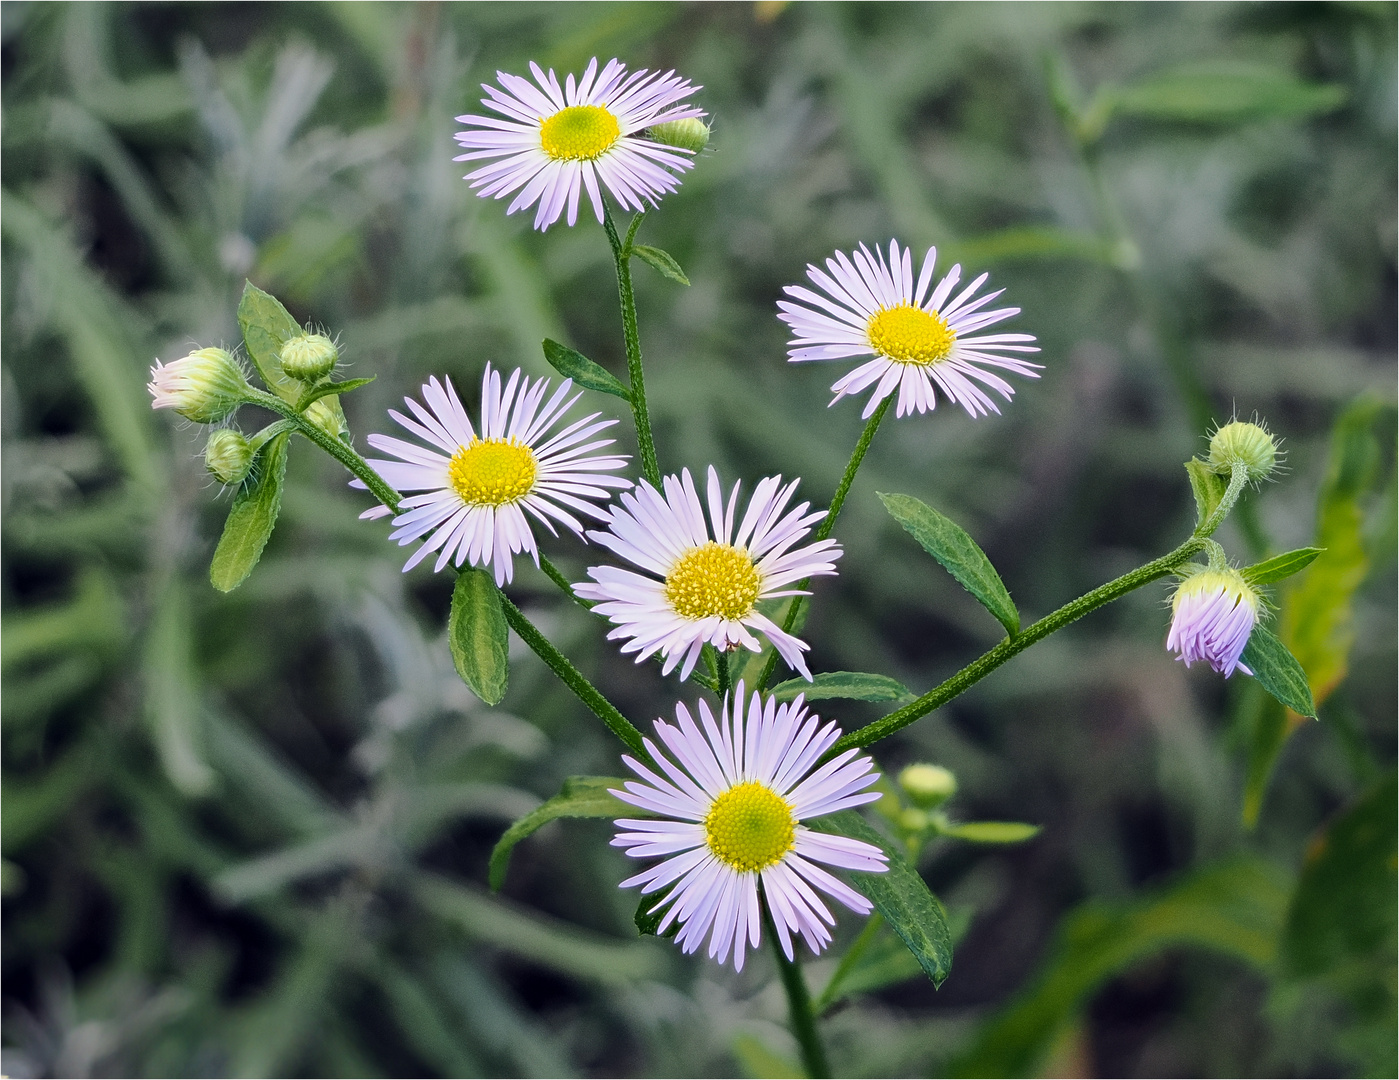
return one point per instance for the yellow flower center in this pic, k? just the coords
(492, 472)
(579, 133)
(713, 579)
(750, 827)
(910, 335)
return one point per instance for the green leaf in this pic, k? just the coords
(1280, 566)
(574, 365)
(581, 797)
(900, 895)
(661, 261)
(477, 634)
(850, 685)
(649, 912)
(267, 326)
(1224, 93)
(948, 543)
(1207, 486)
(989, 832)
(1278, 671)
(252, 518)
(326, 389)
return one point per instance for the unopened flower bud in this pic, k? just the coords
(205, 386)
(309, 357)
(928, 785)
(690, 134)
(228, 456)
(914, 820)
(1249, 444)
(1213, 613)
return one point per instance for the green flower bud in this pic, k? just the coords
(206, 386)
(228, 456)
(1247, 443)
(928, 785)
(914, 820)
(690, 134)
(309, 357)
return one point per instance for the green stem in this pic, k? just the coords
(823, 532)
(798, 1003)
(556, 576)
(988, 662)
(857, 949)
(1238, 477)
(621, 255)
(573, 678)
(722, 677)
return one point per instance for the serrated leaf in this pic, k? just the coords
(267, 326)
(574, 365)
(900, 895)
(477, 634)
(662, 261)
(1280, 566)
(849, 685)
(1278, 671)
(1207, 486)
(1216, 93)
(326, 389)
(990, 832)
(580, 797)
(949, 544)
(251, 518)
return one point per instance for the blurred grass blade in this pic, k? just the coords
(172, 692)
(1225, 93)
(252, 518)
(356, 845)
(1278, 671)
(1280, 566)
(876, 959)
(762, 1063)
(93, 621)
(255, 769)
(848, 685)
(581, 797)
(661, 261)
(432, 1035)
(949, 544)
(574, 365)
(478, 635)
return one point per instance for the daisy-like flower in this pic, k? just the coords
(1213, 613)
(556, 139)
(477, 487)
(703, 581)
(919, 338)
(730, 817)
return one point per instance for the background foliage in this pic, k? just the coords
(248, 834)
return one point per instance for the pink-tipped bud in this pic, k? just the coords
(1213, 614)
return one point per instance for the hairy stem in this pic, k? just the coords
(1238, 477)
(798, 1003)
(621, 255)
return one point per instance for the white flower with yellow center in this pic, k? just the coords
(920, 336)
(555, 140)
(731, 816)
(477, 489)
(703, 581)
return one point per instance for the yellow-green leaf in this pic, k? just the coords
(252, 518)
(478, 635)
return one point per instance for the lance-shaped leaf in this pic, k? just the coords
(574, 365)
(1219, 93)
(327, 389)
(581, 797)
(1207, 486)
(477, 634)
(849, 685)
(1278, 671)
(949, 544)
(987, 832)
(661, 261)
(900, 895)
(1280, 566)
(252, 518)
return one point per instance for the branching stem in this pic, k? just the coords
(621, 255)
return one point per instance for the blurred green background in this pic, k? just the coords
(246, 834)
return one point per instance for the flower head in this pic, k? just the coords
(920, 339)
(1213, 613)
(731, 816)
(555, 140)
(477, 489)
(703, 580)
(205, 386)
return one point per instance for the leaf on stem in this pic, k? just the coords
(949, 544)
(988, 832)
(849, 685)
(649, 913)
(1208, 487)
(267, 326)
(1279, 566)
(1278, 671)
(574, 365)
(252, 517)
(477, 634)
(581, 797)
(662, 261)
(326, 389)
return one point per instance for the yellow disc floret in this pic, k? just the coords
(910, 335)
(493, 472)
(713, 579)
(750, 827)
(579, 133)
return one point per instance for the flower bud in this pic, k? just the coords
(1249, 444)
(928, 785)
(309, 357)
(690, 134)
(1213, 613)
(914, 820)
(205, 386)
(228, 456)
